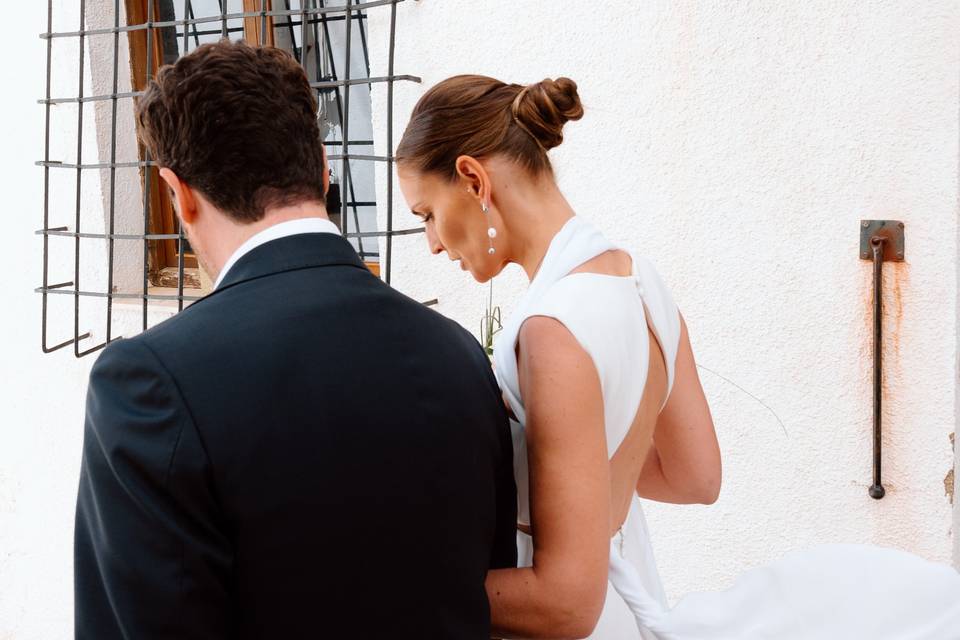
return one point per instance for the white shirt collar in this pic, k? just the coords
(279, 230)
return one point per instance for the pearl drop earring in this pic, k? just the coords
(491, 232)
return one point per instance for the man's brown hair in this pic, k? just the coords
(237, 123)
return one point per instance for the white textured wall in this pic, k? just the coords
(738, 145)
(42, 396)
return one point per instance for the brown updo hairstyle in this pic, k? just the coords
(480, 116)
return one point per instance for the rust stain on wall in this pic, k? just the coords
(898, 272)
(895, 280)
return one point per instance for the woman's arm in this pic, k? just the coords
(683, 465)
(562, 594)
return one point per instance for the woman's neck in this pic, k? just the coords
(537, 211)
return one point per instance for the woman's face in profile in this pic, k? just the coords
(453, 220)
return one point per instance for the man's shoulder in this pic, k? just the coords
(121, 353)
(178, 331)
(439, 327)
(183, 332)
(129, 360)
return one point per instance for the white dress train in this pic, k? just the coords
(831, 591)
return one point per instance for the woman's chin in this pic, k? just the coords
(481, 277)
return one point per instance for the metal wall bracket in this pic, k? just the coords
(880, 241)
(891, 231)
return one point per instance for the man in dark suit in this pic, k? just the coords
(305, 452)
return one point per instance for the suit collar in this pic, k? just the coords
(274, 232)
(289, 253)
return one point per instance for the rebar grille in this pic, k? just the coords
(134, 231)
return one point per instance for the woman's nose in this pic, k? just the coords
(433, 241)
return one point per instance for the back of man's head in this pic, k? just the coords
(237, 123)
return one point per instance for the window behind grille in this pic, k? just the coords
(148, 260)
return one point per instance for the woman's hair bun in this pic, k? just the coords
(544, 107)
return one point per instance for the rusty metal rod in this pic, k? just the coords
(876, 489)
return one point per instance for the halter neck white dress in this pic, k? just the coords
(832, 591)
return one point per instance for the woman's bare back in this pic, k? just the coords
(628, 460)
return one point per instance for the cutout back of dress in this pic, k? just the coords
(611, 317)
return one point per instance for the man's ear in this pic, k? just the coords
(326, 170)
(474, 176)
(186, 202)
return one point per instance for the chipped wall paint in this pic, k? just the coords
(949, 481)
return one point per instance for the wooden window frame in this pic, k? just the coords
(163, 255)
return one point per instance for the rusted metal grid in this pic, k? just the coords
(313, 20)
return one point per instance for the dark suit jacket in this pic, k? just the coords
(304, 453)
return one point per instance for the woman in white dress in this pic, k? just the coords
(597, 368)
